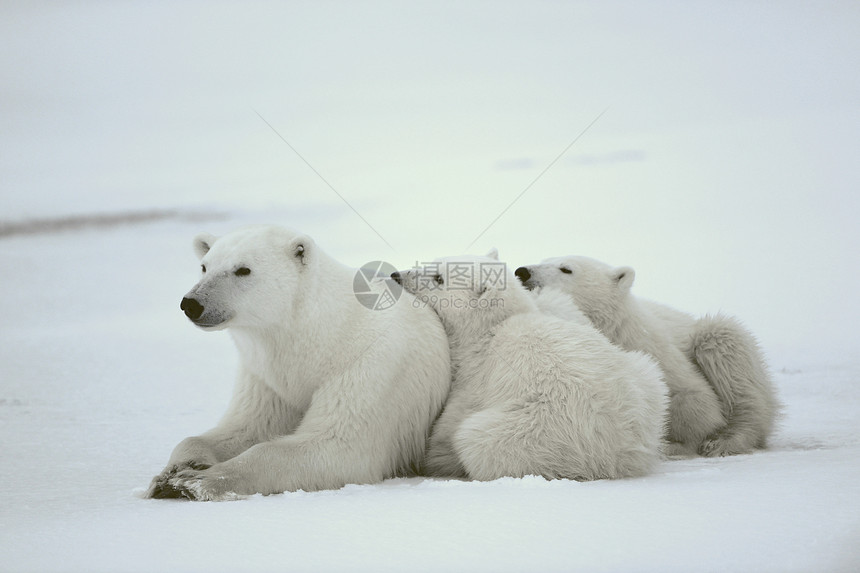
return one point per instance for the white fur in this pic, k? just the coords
(328, 393)
(534, 393)
(722, 399)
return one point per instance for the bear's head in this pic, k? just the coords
(598, 289)
(248, 277)
(466, 291)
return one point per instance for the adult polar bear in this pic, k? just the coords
(722, 399)
(329, 392)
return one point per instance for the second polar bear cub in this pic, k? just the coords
(722, 399)
(533, 394)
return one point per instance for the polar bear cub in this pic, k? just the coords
(533, 393)
(329, 392)
(722, 399)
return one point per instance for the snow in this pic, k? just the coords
(133, 127)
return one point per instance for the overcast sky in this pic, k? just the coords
(722, 165)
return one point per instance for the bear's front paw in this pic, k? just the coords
(720, 444)
(160, 487)
(207, 485)
(713, 448)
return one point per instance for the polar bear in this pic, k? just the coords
(722, 398)
(533, 394)
(329, 392)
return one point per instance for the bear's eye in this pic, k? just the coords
(565, 270)
(242, 272)
(439, 280)
(203, 267)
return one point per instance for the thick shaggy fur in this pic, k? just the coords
(329, 392)
(536, 394)
(722, 398)
(730, 358)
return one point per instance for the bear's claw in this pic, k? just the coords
(163, 486)
(717, 445)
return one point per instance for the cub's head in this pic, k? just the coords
(597, 289)
(249, 277)
(466, 290)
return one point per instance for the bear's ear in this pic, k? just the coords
(300, 248)
(202, 243)
(493, 254)
(623, 277)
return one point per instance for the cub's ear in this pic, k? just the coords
(301, 248)
(493, 254)
(623, 277)
(202, 243)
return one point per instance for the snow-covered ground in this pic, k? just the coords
(724, 170)
(103, 375)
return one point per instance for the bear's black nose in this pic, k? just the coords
(523, 274)
(192, 308)
(397, 278)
